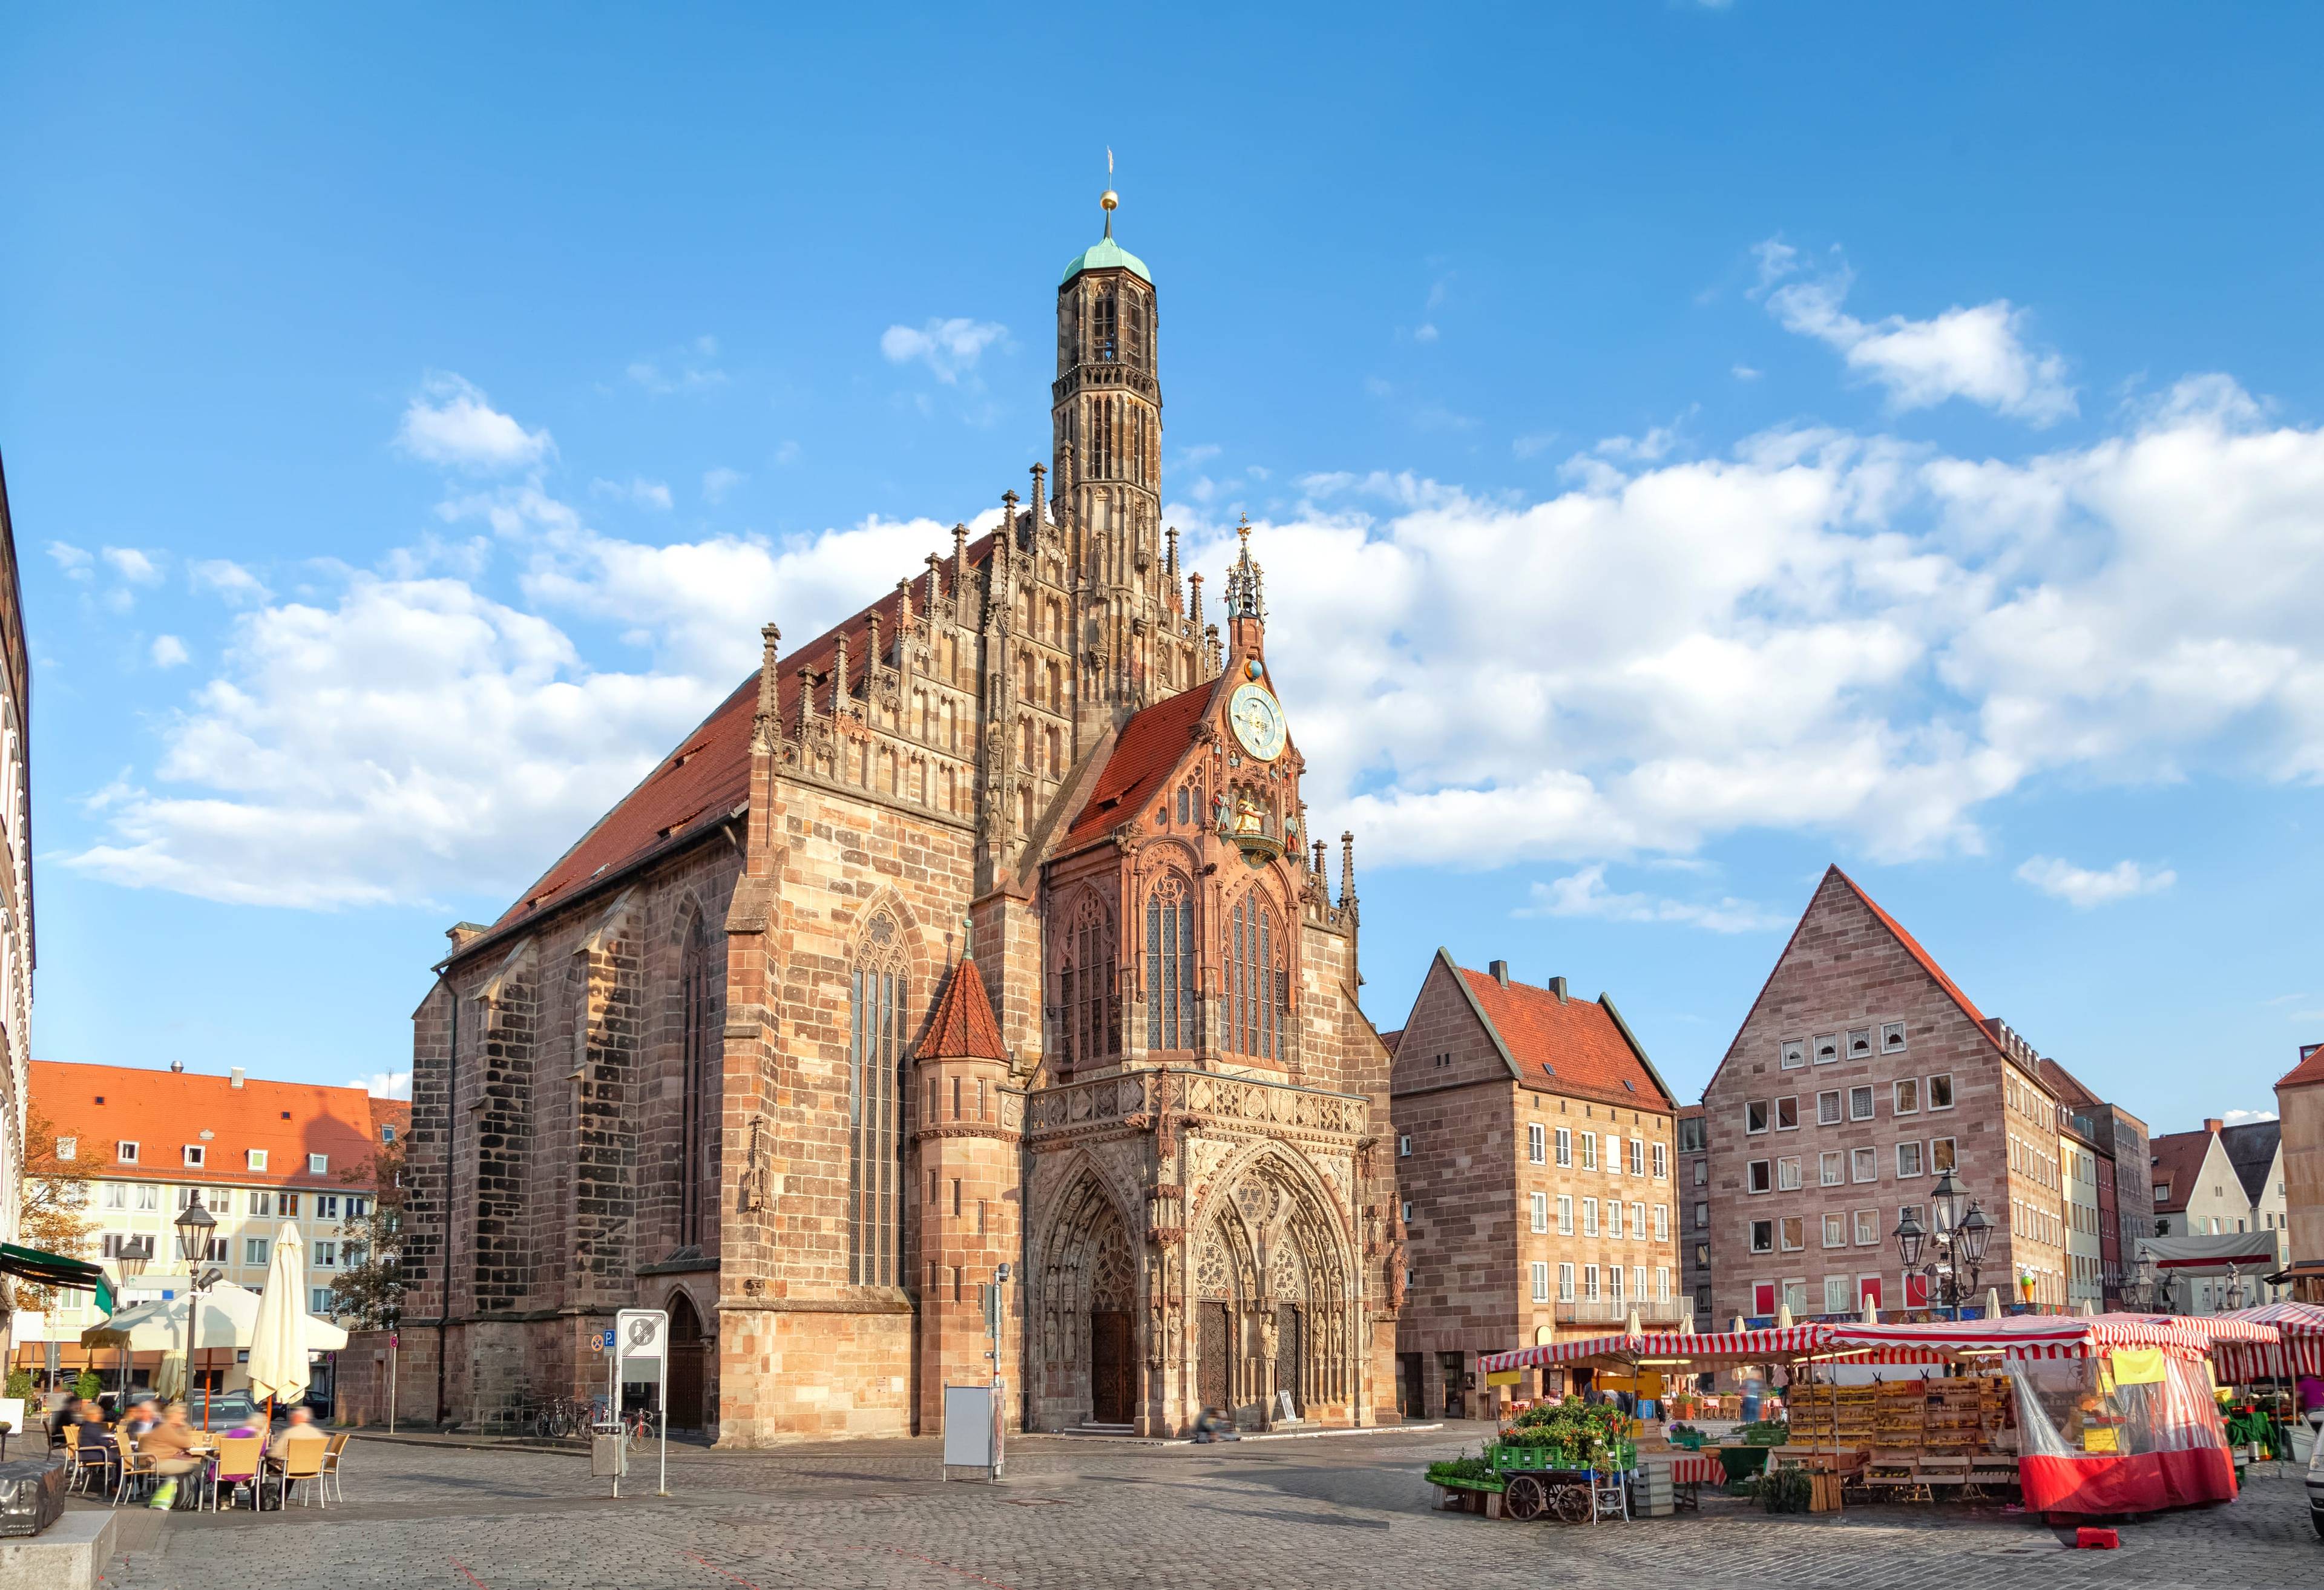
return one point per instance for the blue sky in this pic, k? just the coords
(1690, 445)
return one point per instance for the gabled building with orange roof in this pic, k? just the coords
(2300, 1104)
(1863, 1072)
(1535, 1159)
(702, 1065)
(256, 1153)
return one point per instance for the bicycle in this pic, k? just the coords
(638, 1430)
(562, 1416)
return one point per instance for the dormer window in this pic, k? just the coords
(256, 1159)
(317, 1164)
(125, 1152)
(194, 1154)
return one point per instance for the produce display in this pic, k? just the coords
(1571, 1434)
(1960, 1414)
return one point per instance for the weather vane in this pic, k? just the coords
(1109, 198)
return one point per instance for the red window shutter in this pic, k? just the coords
(1763, 1298)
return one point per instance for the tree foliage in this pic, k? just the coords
(54, 1217)
(370, 1292)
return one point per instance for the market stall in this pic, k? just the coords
(2241, 1353)
(2114, 1412)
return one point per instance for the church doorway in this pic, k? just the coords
(1290, 1358)
(1113, 1369)
(688, 1364)
(1211, 1373)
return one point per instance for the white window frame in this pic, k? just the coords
(1639, 1222)
(1835, 1224)
(1783, 1234)
(1590, 1217)
(1839, 1107)
(1566, 1283)
(1662, 1223)
(1755, 1171)
(125, 1152)
(1952, 1151)
(1565, 1214)
(1788, 1173)
(1638, 1156)
(1541, 1211)
(1751, 1236)
(194, 1154)
(1825, 1050)
(1920, 1160)
(1929, 1091)
(1867, 1226)
(1791, 1099)
(1565, 1146)
(1613, 1220)
(1896, 1096)
(1859, 1046)
(1662, 1162)
(254, 1252)
(1404, 1145)
(1590, 1151)
(1871, 1102)
(67, 1148)
(1537, 1142)
(1891, 1038)
(1857, 1158)
(1589, 1283)
(1614, 1285)
(1794, 1052)
(1766, 1114)
(254, 1160)
(1541, 1281)
(1835, 1293)
(1831, 1168)
(319, 1164)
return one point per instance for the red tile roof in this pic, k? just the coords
(165, 1112)
(708, 775)
(2311, 1069)
(2178, 1160)
(964, 1028)
(1150, 745)
(1388, 1041)
(1577, 1040)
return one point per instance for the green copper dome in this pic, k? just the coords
(1106, 254)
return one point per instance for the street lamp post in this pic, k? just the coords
(194, 1228)
(137, 1253)
(1953, 1243)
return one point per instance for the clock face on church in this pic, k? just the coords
(1258, 720)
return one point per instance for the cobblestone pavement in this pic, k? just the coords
(1326, 1512)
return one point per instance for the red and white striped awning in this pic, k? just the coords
(2299, 1350)
(1751, 1346)
(2036, 1335)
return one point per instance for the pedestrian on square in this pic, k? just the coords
(97, 1445)
(68, 1412)
(1207, 1425)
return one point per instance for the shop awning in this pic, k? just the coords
(54, 1270)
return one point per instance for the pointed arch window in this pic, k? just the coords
(699, 1091)
(1105, 324)
(875, 1059)
(1170, 961)
(1257, 985)
(1088, 997)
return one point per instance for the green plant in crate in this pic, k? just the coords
(1766, 1432)
(1786, 1490)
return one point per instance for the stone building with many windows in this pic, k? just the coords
(1534, 1153)
(1860, 1074)
(16, 957)
(732, 1055)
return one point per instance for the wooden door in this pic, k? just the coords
(1211, 1376)
(1290, 1357)
(688, 1362)
(1113, 1369)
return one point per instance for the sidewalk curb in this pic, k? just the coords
(1374, 1429)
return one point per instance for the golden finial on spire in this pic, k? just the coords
(1243, 530)
(1107, 200)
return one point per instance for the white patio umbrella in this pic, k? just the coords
(279, 1337)
(158, 1325)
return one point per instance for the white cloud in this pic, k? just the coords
(451, 422)
(637, 490)
(717, 483)
(1746, 373)
(690, 368)
(1584, 894)
(228, 579)
(74, 560)
(169, 652)
(2246, 1117)
(1426, 333)
(1979, 353)
(394, 1084)
(2082, 888)
(1533, 446)
(948, 348)
(132, 566)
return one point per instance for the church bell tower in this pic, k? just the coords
(1106, 413)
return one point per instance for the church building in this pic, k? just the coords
(983, 929)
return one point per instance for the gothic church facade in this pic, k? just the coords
(982, 929)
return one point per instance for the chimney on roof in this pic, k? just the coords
(1557, 987)
(2213, 1125)
(1501, 971)
(234, 1078)
(459, 933)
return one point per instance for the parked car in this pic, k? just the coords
(220, 1410)
(2316, 1486)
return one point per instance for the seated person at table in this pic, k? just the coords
(97, 1442)
(167, 1444)
(68, 1412)
(302, 1428)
